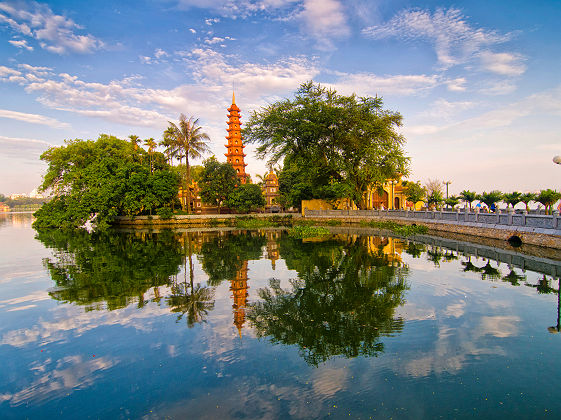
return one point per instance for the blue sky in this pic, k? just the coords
(478, 83)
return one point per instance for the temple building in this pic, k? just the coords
(271, 189)
(235, 146)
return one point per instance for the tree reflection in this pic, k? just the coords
(514, 278)
(186, 298)
(115, 268)
(223, 255)
(342, 302)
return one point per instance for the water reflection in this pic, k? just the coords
(341, 303)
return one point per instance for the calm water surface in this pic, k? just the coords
(240, 324)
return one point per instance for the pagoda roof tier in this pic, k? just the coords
(234, 145)
(230, 137)
(235, 154)
(233, 108)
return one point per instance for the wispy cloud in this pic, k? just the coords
(455, 41)
(55, 33)
(21, 43)
(364, 84)
(23, 148)
(506, 64)
(324, 20)
(32, 118)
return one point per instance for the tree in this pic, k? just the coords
(548, 198)
(245, 198)
(435, 199)
(490, 198)
(103, 178)
(217, 181)
(452, 201)
(190, 142)
(350, 140)
(526, 198)
(414, 192)
(134, 140)
(468, 197)
(151, 144)
(512, 198)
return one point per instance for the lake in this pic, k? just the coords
(257, 324)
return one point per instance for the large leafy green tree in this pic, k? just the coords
(106, 177)
(217, 181)
(246, 198)
(347, 139)
(189, 141)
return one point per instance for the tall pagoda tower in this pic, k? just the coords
(235, 146)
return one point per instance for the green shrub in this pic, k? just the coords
(304, 231)
(165, 213)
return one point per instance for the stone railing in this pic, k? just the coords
(551, 223)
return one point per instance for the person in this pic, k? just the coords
(493, 208)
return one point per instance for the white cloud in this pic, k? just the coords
(214, 40)
(443, 110)
(23, 149)
(55, 33)
(192, 31)
(364, 84)
(324, 20)
(21, 44)
(454, 39)
(456, 85)
(212, 21)
(32, 118)
(505, 64)
(7, 71)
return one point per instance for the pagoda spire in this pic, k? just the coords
(235, 155)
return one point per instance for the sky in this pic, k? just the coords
(478, 82)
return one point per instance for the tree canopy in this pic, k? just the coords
(107, 177)
(350, 141)
(245, 198)
(217, 181)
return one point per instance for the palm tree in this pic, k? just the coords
(151, 143)
(526, 198)
(169, 145)
(191, 143)
(512, 198)
(468, 196)
(134, 140)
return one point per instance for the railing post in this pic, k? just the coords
(524, 214)
(476, 214)
(458, 214)
(555, 216)
(510, 211)
(498, 215)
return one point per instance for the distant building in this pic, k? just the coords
(4, 208)
(35, 194)
(16, 196)
(271, 189)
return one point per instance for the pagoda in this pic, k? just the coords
(238, 287)
(235, 146)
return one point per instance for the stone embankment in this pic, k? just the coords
(540, 230)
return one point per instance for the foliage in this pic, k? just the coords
(452, 201)
(512, 198)
(217, 181)
(165, 213)
(548, 198)
(433, 186)
(414, 192)
(223, 255)
(527, 198)
(347, 140)
(490, 198)
(434, 199)
(106, 177)
(248, 222)
(246, 198)
(403, 230)
(342, 303)
(306, 231)
(109, 270)
(186, 140)
(468, 197)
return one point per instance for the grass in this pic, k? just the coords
(249, 222)
(404, 230)
(301, 231)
